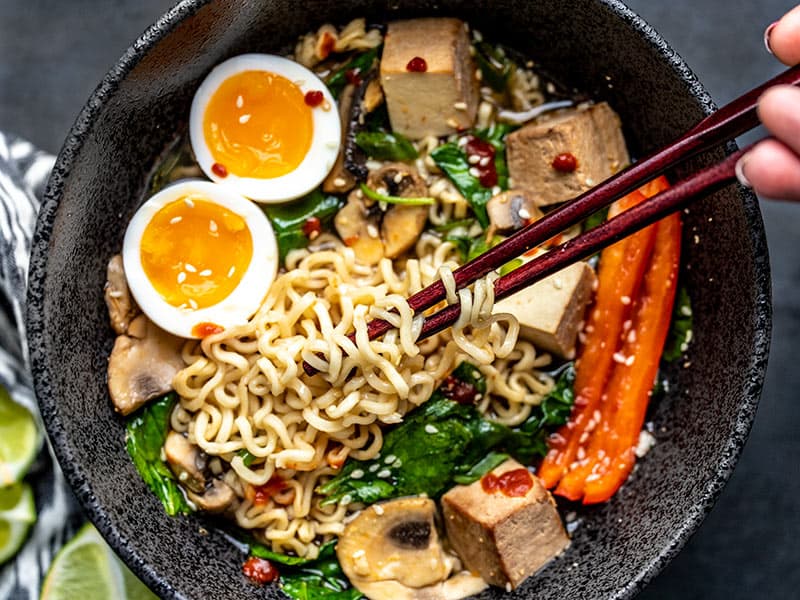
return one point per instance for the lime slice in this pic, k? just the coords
(17, 513)
(86, 568)
(19, 440)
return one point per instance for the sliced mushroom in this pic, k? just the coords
(512, 209)
(401, 225)
(340, 179)
(373, 95)
(391, 551)
(359, 228)
(121, 307)
(141, 368)
(217, 497)
(186, 460)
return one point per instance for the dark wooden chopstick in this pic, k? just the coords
(731, 120)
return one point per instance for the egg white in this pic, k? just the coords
(325, 142)
(242, 302)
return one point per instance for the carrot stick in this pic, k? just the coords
(620, 273)
(630, 386)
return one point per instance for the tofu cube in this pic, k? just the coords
(593, 135)
(504, 539)
(444, 98)
(550, 311)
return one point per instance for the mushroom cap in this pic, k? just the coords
(358, 226)
(121, 307)
(142, 367)
(512, 209)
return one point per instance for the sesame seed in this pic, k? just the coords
(339, 182)
(357, 474)
(478, 74)
(627, 324)
(620, 358)
(373, 468)
(632, 336)
(372, 231)
(205, 273)
(696, 239)
(630, 360)
(359, 553)
(473, 159)
(378, 509)
(508, 586)
(231, 271)
(384, 473)
(484, 161)
(390, 459)
(346, 499)
(212, 226)
(557, 283)
(398, 463)
(686, 311)
(474, 172)
(398, 177)
(192, 303)
(460, 105)
(581, 453)
(524, 213)
(625, 300)
(188, 202)
(452, 123)
(239, 101)
(181, 277)
(589, 181)
(175, 220)
(190, 267)
(496, 190)
(244, 119)
(593, 477)
(431, 429)
(462, 141)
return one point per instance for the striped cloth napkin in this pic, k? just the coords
(23, 175)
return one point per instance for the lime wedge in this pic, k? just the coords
(86, 568)
(17, 513)
(19, 440)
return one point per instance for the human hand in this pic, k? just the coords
(772, 168)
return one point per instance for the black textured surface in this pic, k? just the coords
(74, 275)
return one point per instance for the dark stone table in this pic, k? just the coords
(53, 53)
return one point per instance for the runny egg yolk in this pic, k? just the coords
(258, 125)
(195, 252)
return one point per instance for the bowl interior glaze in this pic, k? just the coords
(597, 46)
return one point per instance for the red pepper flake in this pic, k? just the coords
(353, 76)
(312, 227)
(263, 493)
(259, 570)
(349, 241)
(313, 98)
(203, 330)
(459, 391)
(487, 171)
(219, 170)
(515, 483)
(565, 162)
(417, 65)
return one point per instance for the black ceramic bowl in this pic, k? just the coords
(598, 46)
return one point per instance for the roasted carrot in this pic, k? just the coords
(630, 386)
(619, 275)
(580, 446)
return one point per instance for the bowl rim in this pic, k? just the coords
(78, 479)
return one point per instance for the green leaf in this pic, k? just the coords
(496, 68)
(146, 431)
(595, 219)
(511, 265)
(451, 159)
(289, 218)
(382, 145)
(378, 197)
(321, 578)
(444, 442)
(681, 329)
(359, 64)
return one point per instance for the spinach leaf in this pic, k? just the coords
(321, 578)
(680, 333)
(383, 145)
(496, 68)
(359, 64)
(445, 442)
(378, 197)
(595, 219)
(145, 433)
(262, 551)
(288, 219)
(452, 159)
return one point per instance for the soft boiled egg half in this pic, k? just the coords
(265, 126)
(199, 258)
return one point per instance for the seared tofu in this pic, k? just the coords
(593, 135)
(504, 539)
(550, 311)
(444, 98)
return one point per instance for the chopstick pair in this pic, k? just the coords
(726, 123)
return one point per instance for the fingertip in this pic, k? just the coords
(772, 170)
(782, 38)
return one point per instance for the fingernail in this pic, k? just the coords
(739, 170)
(767, 33)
